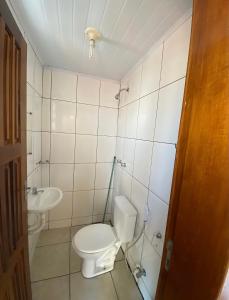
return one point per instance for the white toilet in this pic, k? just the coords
(98, 244)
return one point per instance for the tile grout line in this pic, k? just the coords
(96, 159)
(116, 292)
(74, 166)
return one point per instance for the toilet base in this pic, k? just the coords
(101, 264)
(89, 269)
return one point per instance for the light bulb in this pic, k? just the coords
(91, 48)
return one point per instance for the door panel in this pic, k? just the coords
(198, 222)
(14, 262)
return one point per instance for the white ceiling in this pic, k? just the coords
(129, 28)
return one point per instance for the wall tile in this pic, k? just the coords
(103, 173)
(63, 116)
(36, 140)
(106, 149)
(176, 54)
(59, 152)
(151, 71)
(139, 196)
(151, 262)
(88, 90)
(30, 64)
(85, 150)
(45, 175)
(38, 72)
(84, 176)
(81, 221)
(63, 85)
(87, 119)
(64, 209)
(108, 116)
(128, 154)
(156, 222)
(108, 90)
(132, 119)
(36, 116)
(61, 175)
(162, 170)
(45, 149)
(83, 203)
(119, 147)
(169, 112)
(147, 117)
(125, 184)
(134, 84)
(45, 115)
(47, 81)
(100, 202)
(142, 161)
(60, 223)
(122, 118)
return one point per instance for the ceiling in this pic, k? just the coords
(128, 27)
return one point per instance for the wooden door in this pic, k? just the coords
(14, 263)
(198, 223)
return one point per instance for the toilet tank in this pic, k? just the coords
(124, 219)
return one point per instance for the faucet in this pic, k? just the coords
(139, 272)
(35, 191)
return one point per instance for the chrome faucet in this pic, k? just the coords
(35, 191)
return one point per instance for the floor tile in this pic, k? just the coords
(54, 236)
(97, 288)
(120, 255)
(55, 288)
(75, 261)
(74, 230)
(124, 282)
(50, 261)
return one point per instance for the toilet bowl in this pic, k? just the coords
(98, 244)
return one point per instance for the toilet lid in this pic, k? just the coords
(94, 238)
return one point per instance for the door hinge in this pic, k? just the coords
(169, 247)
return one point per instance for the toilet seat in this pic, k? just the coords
(94, 238)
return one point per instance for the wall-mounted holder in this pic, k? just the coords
(123, 164)
(42, 162)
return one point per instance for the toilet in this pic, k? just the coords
(98, 244)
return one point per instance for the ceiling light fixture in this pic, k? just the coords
(92, 35)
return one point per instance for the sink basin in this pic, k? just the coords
(46, 199)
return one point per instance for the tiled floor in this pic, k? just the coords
(55, 273)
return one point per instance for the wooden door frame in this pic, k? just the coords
(15, 276)
(182, 145)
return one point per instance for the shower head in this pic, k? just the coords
(117, 96)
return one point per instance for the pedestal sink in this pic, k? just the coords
(45, 199)
(39, 203)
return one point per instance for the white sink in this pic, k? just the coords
(46, 199)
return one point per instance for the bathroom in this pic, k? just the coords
(105, 83)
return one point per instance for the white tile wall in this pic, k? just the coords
(79, 128)
(142, 161)
(148, 123)
(84, 177)
(87, 119)
(151, 70)
(62, 148)
(63, 115)
(107, 90)
(162, 170)
(88, 90)
(63, 85)
(108, 116)
(85, 149)
(147, 116)
(34, 122)
(169, 111)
